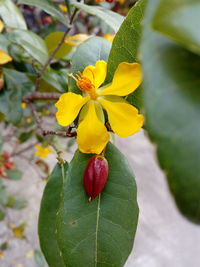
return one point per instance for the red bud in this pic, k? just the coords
(47, 20)
(95, 176)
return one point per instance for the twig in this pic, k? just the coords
(40, 96)
(16, 153)
(39, 125)
(41, 72)
(63, 134)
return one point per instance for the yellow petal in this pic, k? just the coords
(123, 118)
(1, 255)
(96, 74)
(4, 57)
(109, 37)
(1, 25)
(92, 135)
(63, 8)
(127, 78)
(76, 39)
(69, 105)
(42, 152)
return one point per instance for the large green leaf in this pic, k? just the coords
(17, 84)
(47, 218)
(32, 44)
(171, 100)
(126, 42)
(101, 232)
(49, 7)
(125, 46)
(180, 21)
(114, 20)
(11, 15)
(95, 48)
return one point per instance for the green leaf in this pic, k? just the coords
(52, 41)
(25, 136)
(171, 100)
(2, 215)
(93, 49)
(49, 7)
(17, 85)
(56, 79)
(101, 232)
(4, 43)
(113, 19)
(125, 46)
(126, 42)
(11, 15)
(179, 20)
(48, 209)
(14, 174)
(31, 42)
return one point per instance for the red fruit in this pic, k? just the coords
(6, 156)
(9, 165)
(95, 176)
(47, 20)
(109, 1)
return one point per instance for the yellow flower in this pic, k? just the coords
(4, 57)
(109, 37)
(1, 255)
(77, 39)
(92, 135)
(29, 120)
(63, 8)
(42, 152)
(23, 105)
(1, 25)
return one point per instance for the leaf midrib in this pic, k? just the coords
(97, 229)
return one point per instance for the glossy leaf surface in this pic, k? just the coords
(32, 43)
(11, 15)
(101, 232)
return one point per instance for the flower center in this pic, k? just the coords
(85, 85)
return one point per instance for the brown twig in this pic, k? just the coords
(41, 72)
(40, 96)
(39, 125)
(16, 153)
(63, 134)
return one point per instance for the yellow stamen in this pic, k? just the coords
(84, 84)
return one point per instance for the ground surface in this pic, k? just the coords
(164, 238)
